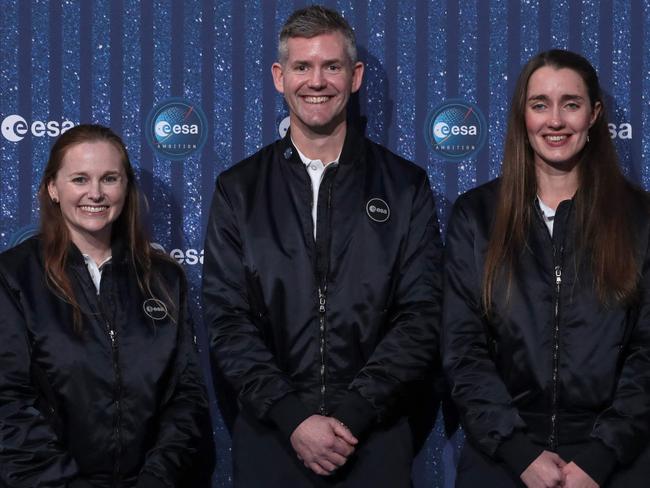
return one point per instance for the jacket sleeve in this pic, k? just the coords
(184, 444)
(408, 351)
(624, 427)
(30, 451)
(486, 407)
(236, 346)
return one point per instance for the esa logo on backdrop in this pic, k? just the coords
(188, 256)
(283, 126)
(621, 131)
(455, 130)
(15, 127)
(176, 128)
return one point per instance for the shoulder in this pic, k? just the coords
(248, 169)
(482, 197)
(475, 208)
(167, 266)
(22, 258)
(386, 160)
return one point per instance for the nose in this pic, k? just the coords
(556, 120)
(316, 79)
(95, 192)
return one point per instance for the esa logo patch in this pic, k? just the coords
(155, 309)
(378, 210)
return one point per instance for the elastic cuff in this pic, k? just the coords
(597, 460)
(518, 452)
(288, 413)
(148, 480)
(355, 412)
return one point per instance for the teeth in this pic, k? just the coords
(316, 99)
(87, 208)
(556, 138)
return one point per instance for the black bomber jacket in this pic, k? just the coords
(551, 365)
(121, 405)
(341, 324)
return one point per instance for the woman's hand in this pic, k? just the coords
(545, 472)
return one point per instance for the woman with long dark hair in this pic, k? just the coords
(99, 377)
(547, 298)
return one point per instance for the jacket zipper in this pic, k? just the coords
(558, 255)
(321, 276)
(117, 419)
(552, 440)
(322, 308)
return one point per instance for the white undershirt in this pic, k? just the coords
(548, 213)
(316, 170)
(94, 270)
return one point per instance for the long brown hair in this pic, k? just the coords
(602, 203)
(55, 236)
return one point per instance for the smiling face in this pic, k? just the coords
(91, 188)
(558, 116)
(317, 79)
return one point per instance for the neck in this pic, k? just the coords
(325, 146)
(97, 247)
(555, 185)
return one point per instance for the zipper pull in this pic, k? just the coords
(322, 301)
(558, 275)
(111, 333)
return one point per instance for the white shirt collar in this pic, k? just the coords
(94, 270)
(306, 161)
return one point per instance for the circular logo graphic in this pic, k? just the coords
(455, 130)
(283, 126)
(155, 309)
(12, 125)
(378, 210)
(176, 128)
(22, 234)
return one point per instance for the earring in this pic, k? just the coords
(55, 200)
(587, 138)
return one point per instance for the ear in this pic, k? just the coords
(357, 76)
(53, 192)
(595, 113)
(278, 76)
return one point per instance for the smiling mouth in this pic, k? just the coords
(316, 100)
(556, 139)
(94, 209)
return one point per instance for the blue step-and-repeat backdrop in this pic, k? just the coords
(188, 85)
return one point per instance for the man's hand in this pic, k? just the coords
(544, 472)
(575, 477)
(323, 443)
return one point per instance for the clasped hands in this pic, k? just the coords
(549, 470)
(323, 444)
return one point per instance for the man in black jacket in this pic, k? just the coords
(322, 282)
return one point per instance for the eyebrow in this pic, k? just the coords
(563, 98)
(84, 173)
(324, 62)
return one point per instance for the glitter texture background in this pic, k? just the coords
(111, 61)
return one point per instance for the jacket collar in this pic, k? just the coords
(118, 252)
(352, 147)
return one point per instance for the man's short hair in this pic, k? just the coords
(312, 21)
